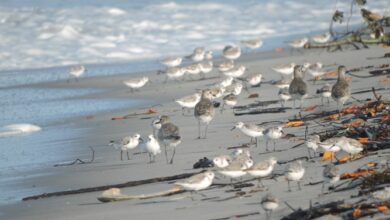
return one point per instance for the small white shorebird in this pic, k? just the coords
(136, 83)
(282, 83)
(197, 55)
(272, 134)
(235, 88)
(269, 204)
(216, 92)
(236, 72)
(250, 130)
(341, 91)
(127, 143)
(294, 172)
(300, 43)
(322, 38)
(237, 168)
(284, 69)
(351, 146)
(253, 79)
(206, 67)
(174, 73)
(231, 52)
(325, 92)
(208, 55)
(226, 82)
(229, 100)
(222, 161)
(298, 88)
(252, 43)
(225, 66)
(188, 102)
(197, 182)
(192, 70)
(169, 135)
(331, 144)
(152, 147)
(77, 71)
(316, 71)
(331, 175)
(204, 111)
(156, 125)
(284, 96)
(172, 61)
(262, 169)
(312, 144)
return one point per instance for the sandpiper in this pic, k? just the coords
(351, 146)
(298, 87)
(197, 55)
(205, 67)
(312, 144)
(136, 83)
(197, 182)
(127, 143)
(341, 90)
(331, 175)
(174, 73)
(192, 69)
(272, 134)
(316, 71)
(172, 61)
(269, 204)
(294, 172)
(152, 147)
(251, 130)
(285, 69)
(226, 82)
(216, 92)
(188, 102)
(236, 168)
(262, 169)
(284, 96)
(169, 135)
(236, 72)
(325, 92)
(282, 83)
(229, 100)
(252, 43)
(77, 71)
(204, 111)
(226, 65)
(231, 52)
(235, 88)
(331, 144)
(253, 79)
(208, 55)
(322, 38)
(222, 161)
(300, 43)
(239, 152)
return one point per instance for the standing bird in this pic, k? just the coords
(351, 146)
(252, 43)
(172, 61)
(222, 161)
(262, 169)
(231, 52)
(251, 130)
(77, 71)
(312, 144)
(169, 135)
(127, 143)
(237, 168)
(322, 38)
(197, 182)
(294, 172)
(152, 147)
(341, 91)
(298, 87)
(325, 92)
(229, 100)
(285, 69)
(272, 134)
(284, 96)
(197, 55)
(136, 83)
(188, 102)
(235, 72)
(269, 204)
(298, 43)
(226, 65)
(331, 175)
(204, 111)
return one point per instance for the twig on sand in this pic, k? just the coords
(237, 216)
(78, 161)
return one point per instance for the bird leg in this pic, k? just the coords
(288, 185)
(266, 145)
(274, 144)
(173, 154)
(128, 157)
(308, 151)
(299, 185)
(198, 129)
(205, 131)
(121, 154)
(166, 153)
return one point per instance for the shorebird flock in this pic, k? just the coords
(234, 78)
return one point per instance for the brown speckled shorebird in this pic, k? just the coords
(204, 111)
(298, 87)
(169, 135)
(341, 91)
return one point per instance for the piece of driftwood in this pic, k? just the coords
(78, 161)
(261, 111)
(106, 187)
(238, 216)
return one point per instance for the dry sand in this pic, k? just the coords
(108, 169)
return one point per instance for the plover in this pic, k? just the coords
(172, 61)
(312, 144)
(152, 147)
(197, 182)
(235, 72)
(204, 111)
(229, 100)
(322, 38)
(250, 130)
(300, 43)
(262, 169)
(169, 135)
(236, 168)
(284, 96)
(294, 172)
(127, 143)
(269, 204)
(272, 134)
(341, 90)
(136, 83)
(226, 65)
(325, 92)
(252, 43)
(231, 52)
(222, 161)
(77, 71)
(285, 69)
(197, 55)
(298, 88)
(188, 102)
(331, 175)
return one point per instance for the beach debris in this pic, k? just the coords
(78, 161)
(203, 163)
(237, 216)
(115, 195)
(294, 123)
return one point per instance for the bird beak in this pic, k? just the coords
(233, 128)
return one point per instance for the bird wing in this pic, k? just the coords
(298, 86)
(193, 179)
(204, 107)
(169, 131)
(340, 89)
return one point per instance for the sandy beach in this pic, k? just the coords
(107, 168)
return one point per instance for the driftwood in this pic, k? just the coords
(261, 111)
(78, 161)
(106, 187)
(237, 216)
